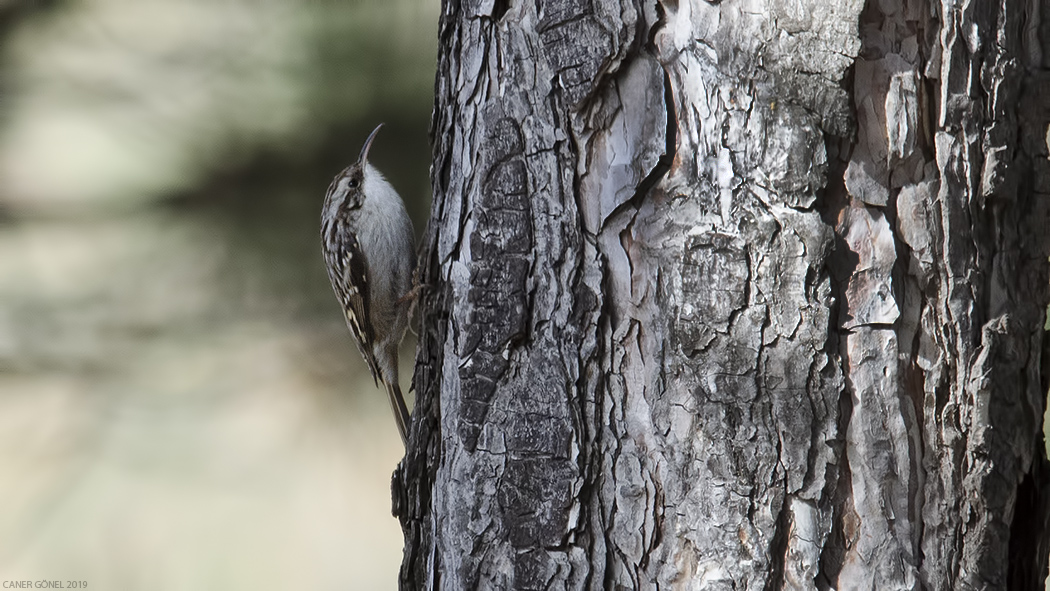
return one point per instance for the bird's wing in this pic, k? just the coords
(353, 291)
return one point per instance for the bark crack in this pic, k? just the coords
(663, 163)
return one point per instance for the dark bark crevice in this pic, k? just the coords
(1029, 548)
(778, 548)
(663, 164)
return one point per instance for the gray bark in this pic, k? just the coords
(745, 295)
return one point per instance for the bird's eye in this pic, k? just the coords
(353, 183)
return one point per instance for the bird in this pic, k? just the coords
(368, 246)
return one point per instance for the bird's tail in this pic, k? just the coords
(401, 416)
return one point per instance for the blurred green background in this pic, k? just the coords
(181, 406)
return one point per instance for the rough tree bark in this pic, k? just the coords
(738, 295)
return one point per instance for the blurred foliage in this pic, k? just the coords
(112, 102)
(181, 406)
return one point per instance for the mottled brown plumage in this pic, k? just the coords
(368, 247)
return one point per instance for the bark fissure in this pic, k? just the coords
(663, 163)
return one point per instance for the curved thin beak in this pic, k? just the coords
(368, 144)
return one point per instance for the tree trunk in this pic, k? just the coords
(729, 296)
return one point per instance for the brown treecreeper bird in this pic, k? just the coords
(368, 245)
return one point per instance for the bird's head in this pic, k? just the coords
(347, 191)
